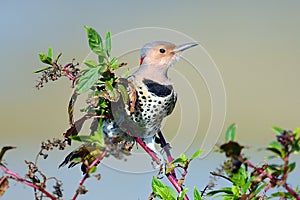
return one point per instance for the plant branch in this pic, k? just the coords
(291, 191)
(171, 178)
(67, 71)
(285, 168)
(174, 182)
(272, 178)
(220, 175)
(261, 171)
(100, 157)
(20, 179)
(149, 151)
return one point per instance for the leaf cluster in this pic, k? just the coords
(53, 70)
(162, 191)
(253, 184)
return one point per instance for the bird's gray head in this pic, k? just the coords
(157, 57)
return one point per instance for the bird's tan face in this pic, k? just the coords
(162, 55)
(156, 58)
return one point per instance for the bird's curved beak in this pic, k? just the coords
(184, 47)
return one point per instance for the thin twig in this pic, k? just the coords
(285, 168)
(292, 192)
(20, 179)
(220, 175)
(171, 178)
(261, 171)
(67, 73)
(272, 178)
(100, 157)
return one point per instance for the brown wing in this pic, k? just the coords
(128, 95)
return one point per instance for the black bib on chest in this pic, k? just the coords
(158, 89)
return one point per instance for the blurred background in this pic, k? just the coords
(255, 46)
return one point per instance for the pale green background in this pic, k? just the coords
(255, 44)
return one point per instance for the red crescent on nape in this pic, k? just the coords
(142, 59)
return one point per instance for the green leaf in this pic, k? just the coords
(82, 138)
(178, 160)
(291, 167)
(58, 56)
(114, 63)
(171, 194)
(98, 135)
(124, 93)
(235, 191)
(276, 151)
(296, 132)
(246, 186)
(111, 91)
(109, 86)
(277, 129)
(101, 59)
(108, 43)
(95, 41)
(92, 169)
(275, 147)
(259, 189)
(162, 191)
(182, 193)
(196, 154)
(226, 190)
(90, 63)
(41, 70)
(98, 138)
(88, 79)
(287, 195)
(275, 170)
(230, 133)
(239, 177)
(197, 195)
(50, 52)
(278, 194)
(103, 68)
(183, 157)
(45, 59)
(102, 103)
(158, 191)
(156, 182)
(169, 168)
(296, 144)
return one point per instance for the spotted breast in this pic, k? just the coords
(154, 103)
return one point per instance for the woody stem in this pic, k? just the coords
(171, 178)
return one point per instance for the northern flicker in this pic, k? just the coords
(153, 92)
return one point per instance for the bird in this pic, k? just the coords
(151, 98)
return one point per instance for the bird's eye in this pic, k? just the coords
(162, 50)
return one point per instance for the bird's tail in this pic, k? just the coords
(89, 152)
